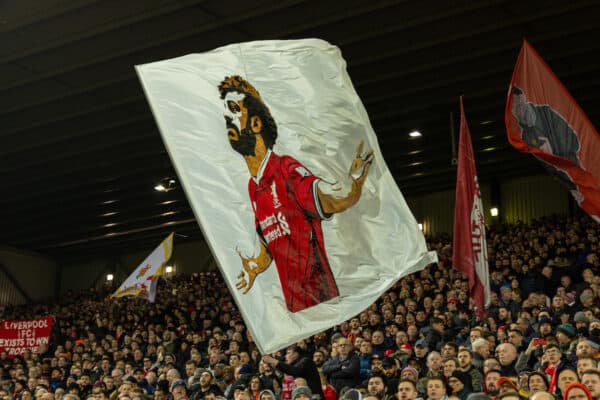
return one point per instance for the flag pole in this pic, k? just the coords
(454, 160)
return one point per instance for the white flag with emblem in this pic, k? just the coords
(143, 280)
(285, 176)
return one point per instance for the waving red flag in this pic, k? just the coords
(543, 119)
(469, 246)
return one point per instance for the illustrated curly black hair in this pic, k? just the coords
(254, 103)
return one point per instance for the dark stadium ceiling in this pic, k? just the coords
(80, 152)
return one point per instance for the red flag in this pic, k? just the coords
(469, 246)
(543, 119)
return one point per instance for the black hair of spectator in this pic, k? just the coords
(592, 372)
(297, 349)
(552, 345)
(541, 375)
(380, 375)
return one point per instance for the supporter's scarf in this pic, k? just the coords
(551, 370)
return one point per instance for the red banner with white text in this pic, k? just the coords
(17, 336)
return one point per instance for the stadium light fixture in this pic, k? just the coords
(494, 211)
(421, 227)
(165, 185)
(109, 277)
(415, 134)
(169, 269)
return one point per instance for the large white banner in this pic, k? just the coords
(285, 176)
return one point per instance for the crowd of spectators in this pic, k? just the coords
(540, 338)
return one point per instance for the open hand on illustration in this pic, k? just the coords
(361, 164)
(252, 267)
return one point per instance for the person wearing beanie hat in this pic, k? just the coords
(267, 394)
(545, 326)
(460, 384)
(176, 383)
(577, 391)
(505, 384)
(410, 373)
(302, 393)
(580, 317)
(567, 330)
(478, 396)
(564, 336)
(587, 298)
(594, 342)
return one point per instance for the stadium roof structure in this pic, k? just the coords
(80, 152)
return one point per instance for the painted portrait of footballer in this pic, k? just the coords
(283, 172)
(289, 202)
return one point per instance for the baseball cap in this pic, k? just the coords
(567, 329)
(388, 362)
(406, 346)
(580, 317)
(421, 343)
(503, 380)
(178, 382)
(239, 386)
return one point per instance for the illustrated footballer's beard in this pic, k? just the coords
(246, 143)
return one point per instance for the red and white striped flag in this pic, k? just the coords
(469, 246)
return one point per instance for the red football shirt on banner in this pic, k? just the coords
(288, 221)
(543, 119)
